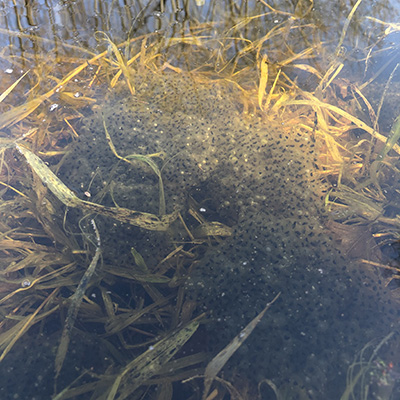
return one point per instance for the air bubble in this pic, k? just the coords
(26, 283)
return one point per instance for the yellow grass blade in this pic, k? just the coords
(12, 188)
(80, 101)
(317, 103)
(295, 57)
(120, 61)
(346, 26)
(19, 113)
(309, 69)
(28, 322)
(268, 101)
(390, 26)
(333, 148)
(11, 88)
(334, 75)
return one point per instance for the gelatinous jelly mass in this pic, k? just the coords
(262, 180)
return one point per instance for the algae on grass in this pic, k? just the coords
(148, 364)
(76, 301)
(68, 197)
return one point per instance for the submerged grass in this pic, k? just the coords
(68, 197)
(147, 159)
(369, 375)
(41, 274)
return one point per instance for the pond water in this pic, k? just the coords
(168, 169)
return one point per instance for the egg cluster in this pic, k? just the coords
(260, 178)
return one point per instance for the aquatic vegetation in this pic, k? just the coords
(369, 376)
(211, 171)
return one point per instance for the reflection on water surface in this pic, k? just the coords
(168, 169)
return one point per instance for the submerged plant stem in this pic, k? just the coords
(76, 301)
